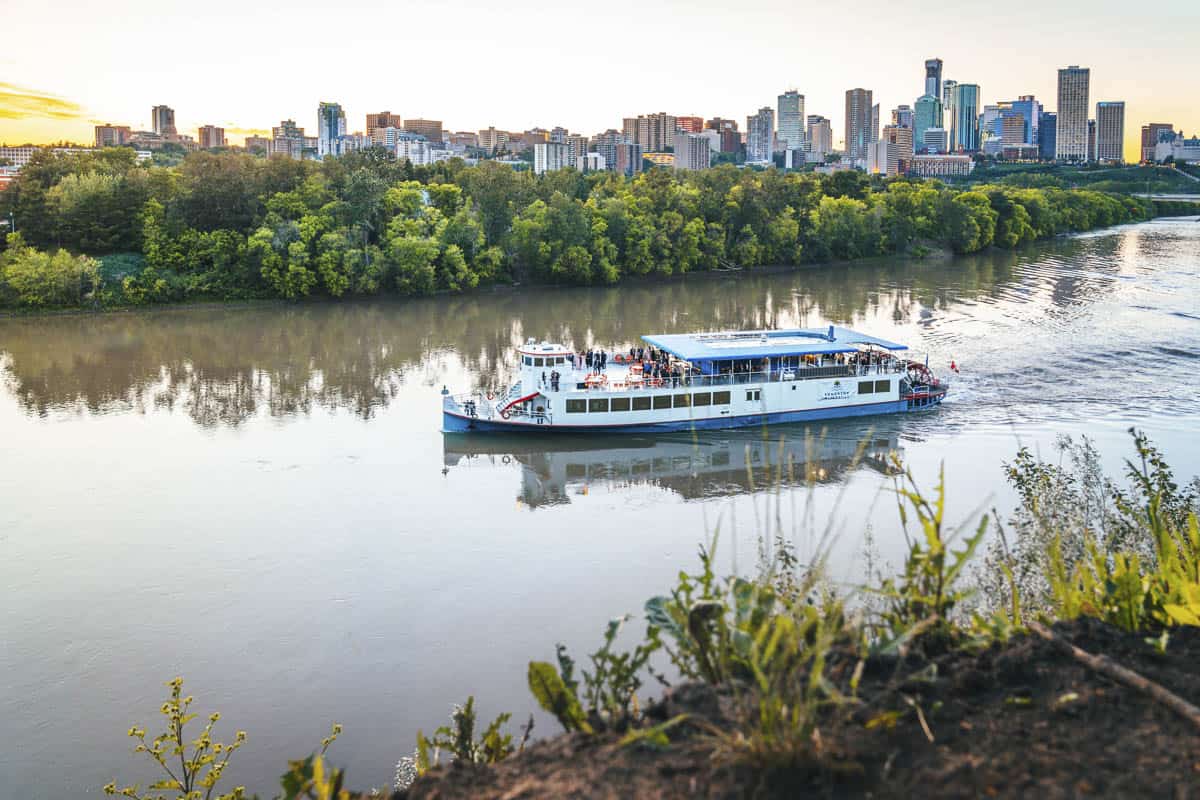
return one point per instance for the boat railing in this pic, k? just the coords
(889, 367)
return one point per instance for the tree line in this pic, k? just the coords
(99, 228)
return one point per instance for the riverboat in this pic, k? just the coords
(690, 381)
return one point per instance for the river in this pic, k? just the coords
(259, 498)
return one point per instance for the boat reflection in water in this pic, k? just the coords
(695, 465)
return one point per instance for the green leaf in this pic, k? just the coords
(552, 695)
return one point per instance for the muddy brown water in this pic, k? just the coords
(260, 500)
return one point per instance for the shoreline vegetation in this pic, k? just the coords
(1048, 653)
(98, 230)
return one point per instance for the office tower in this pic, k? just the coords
(900, 152)
(558, 134)
(903, 116)
(858, 123)
(1071, 138)
(1030, 111)
(288, 140)
(731, 139)
(108, 135)
(689, 124)
(211, 136)
(965, 123)
(590, 162)
(880, 155)
(654, 132)
(933, 77)
(948, 108)
(331, 127)
(875, 123)
(1047, 138)
(820, 137)
(760, 135)
(791, 120)
(384, 119)
(162, 118)
(257, 143)
(549, 156)
(692, 151)
(937, 141)
(492, 140)
(1110, 131)
(1091, 140)
(927, 114)
(431, 129)
(628, 158)
(1150, 134)
(1012, 128)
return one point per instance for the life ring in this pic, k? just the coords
(504, 414)
(506, 459)
(655, 381)
(491, 395)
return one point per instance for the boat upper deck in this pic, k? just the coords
(720, 346)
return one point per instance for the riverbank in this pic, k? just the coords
(1017, 719)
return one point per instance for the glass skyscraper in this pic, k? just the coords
(1071, 140)
(790, 132)
(927, 113)
(965, 123)
(331, 127)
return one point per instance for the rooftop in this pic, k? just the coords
(723, 345)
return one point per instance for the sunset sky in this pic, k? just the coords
(521, 64)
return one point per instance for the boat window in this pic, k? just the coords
(598, 404)
(866, 387)
(682, 400)
(883, 386)
(620, 404)
(702, 399)
(528, 361)
(641, 403)
(662, 401)
(753, 395)
(576, 406)
(720, 398)
(537, 362)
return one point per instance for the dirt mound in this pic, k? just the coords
(1018, 720)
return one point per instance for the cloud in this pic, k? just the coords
(234, 131)
(17, 102)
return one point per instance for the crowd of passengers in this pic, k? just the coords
(656, 365)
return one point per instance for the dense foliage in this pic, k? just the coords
(226, 226)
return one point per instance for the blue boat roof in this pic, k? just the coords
(724, 345)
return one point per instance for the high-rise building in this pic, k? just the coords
(108, 135)
(162, 118)
(901, 140)
(606, 145)
(628, 158)
(558, 134)
(1150, 134)
(656, 132)
(926, 115)
(1110, 131)
(288, 140)
(966, 118)
(431, 129)
(1031, 112)
(937, 141)
(881, 158)
(689, 124)
(577, 147)
(590, 162)
(1071, 137)
(492, 140)
(731, 139)
(1047, 137)
(858, 123)
(760, 135)
(903, 116)
(820, 137)
(1012, 128)
(1091, 145)
(257, 144)
(933, 77)
(384, 119)
(331, 127)
(791, 121)
(211, 136)
(692, 151)
(414, 148)
(549, 156)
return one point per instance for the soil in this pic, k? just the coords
(1015, 720)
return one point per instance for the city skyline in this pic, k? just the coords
(220, 74)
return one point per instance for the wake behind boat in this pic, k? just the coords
(702, 380)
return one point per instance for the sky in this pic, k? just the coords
(520, 64)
